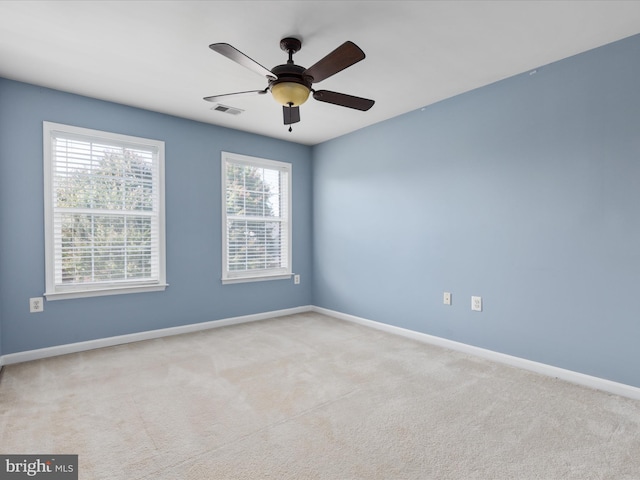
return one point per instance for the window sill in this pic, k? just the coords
(228, 281)
(105, 291)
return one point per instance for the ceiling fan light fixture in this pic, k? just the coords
(290, 93)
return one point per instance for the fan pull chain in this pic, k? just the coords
(290, 103)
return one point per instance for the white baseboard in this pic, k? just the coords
(544, 369)
(541, 368)
(137, 337)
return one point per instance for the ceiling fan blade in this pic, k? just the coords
(237, 56)
(342, 57)
(215, 98)
(343, 100)
(290, 114)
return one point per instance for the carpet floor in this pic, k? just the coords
(311, 397)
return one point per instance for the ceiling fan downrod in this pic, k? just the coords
(290, 45)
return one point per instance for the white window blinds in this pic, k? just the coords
(256, 218)
(104, 212)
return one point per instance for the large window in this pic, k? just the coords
(256, 219)
(104, 213)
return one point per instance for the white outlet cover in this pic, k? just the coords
(36, 305)
(476, 304)
(446, 298)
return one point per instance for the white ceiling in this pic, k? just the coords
(155, 55)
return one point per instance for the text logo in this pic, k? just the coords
(46, 467)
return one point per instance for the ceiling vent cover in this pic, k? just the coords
(227, 109)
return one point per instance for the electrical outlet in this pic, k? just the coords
(446, 298)
(476, 304)
(36, 305)
(296, 279)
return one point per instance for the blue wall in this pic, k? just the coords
(193, 219)
(525, 192)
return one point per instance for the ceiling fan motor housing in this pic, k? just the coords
(291, 87)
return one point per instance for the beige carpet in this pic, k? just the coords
(311, 397)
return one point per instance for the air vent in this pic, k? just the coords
(227, 109)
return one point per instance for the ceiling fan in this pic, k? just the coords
(290, 84)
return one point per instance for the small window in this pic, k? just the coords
(256, 219)
(104, 213)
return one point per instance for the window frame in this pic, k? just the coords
(286, 206)
(58, 291)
